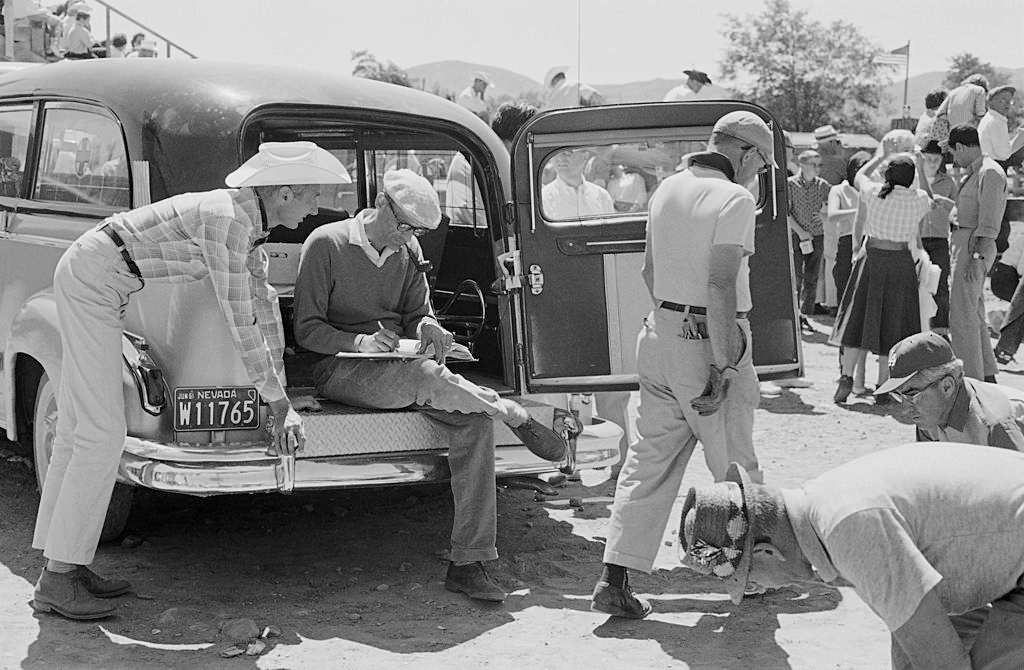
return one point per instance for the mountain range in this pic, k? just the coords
(453, 76)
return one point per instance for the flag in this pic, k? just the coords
(898, 57)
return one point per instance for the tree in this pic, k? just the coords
(368, 67)
(806, 73)
(965, 64)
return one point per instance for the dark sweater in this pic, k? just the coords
(341, 293)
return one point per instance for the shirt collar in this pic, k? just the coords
(973, 168)
(798, 511)
(961, 408)
(357, 236)
(250, 203)
(997, 115)
(715, 161)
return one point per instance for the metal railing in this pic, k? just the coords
(149, 31)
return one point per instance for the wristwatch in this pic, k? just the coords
(977, 256)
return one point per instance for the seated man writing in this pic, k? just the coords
(359, 290)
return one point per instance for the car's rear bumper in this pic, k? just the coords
(205, 471)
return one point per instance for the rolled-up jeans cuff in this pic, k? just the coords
(459, 555)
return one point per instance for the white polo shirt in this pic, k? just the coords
(689, 213)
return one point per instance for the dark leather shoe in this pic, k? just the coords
(541, 441)
(621, 602)
(65, 593)
(844, 389)
(474, 581)
(100, 586)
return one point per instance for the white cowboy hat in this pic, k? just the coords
(286, 163)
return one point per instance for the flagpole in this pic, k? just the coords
(906, 81)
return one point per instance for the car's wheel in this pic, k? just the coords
(44, 428)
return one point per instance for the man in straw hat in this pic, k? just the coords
(564, 93)
(473, 96)
(929, 381)
(697, 379)
(360, 289)
(929, 536)
(183, 238)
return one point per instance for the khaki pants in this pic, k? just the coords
(91, 286)
(673, 371)
(968, 326)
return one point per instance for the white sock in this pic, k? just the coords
(59, 566)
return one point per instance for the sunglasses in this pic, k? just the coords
(402, 226)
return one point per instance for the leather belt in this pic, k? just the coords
(699, 311)
(119, 243)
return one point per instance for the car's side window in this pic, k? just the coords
(82, 159)
(15, 123)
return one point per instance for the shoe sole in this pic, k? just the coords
(457, 588)
(112, 594)
(47, 608)
(618, 611)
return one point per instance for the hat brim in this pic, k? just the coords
(736, 584)
(893, 383)
(285, 175)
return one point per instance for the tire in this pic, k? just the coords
(44, 426)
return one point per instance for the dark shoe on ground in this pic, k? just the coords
(474, 581)
(621, 602)
(65, 593)
(844, 389)
(100, 586)
(540, 440)
(805, 324)
(990, 379)
(884, 399)
(819, 309)
(1004, 357)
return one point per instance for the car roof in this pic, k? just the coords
(162, 102)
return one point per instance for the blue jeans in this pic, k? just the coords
(463, 409)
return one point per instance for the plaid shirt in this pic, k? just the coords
(190, 236)
(806, 199)
(897, 217)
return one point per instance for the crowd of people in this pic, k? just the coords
(48, 33)
(950, 587)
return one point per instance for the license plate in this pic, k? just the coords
(216, 408)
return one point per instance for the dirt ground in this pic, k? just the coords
(356, 580)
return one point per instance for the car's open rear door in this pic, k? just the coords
(580, 244)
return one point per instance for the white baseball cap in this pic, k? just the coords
(286, 163)
(750, 128)
(415, 196)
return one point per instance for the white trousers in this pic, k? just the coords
(673, 371)
(91, 285)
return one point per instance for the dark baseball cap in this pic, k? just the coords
(913, 354)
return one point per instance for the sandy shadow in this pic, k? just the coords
(786, 401)
(892, 410)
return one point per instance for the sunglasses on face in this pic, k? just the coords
(404, 227)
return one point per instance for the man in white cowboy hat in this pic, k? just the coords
(946, 406)
(183, 238)
(359, 290)
(830, 146)
(929, 536)
(473, 96)
(563, 93)
(694, 352)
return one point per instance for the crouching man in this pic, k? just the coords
(929, 536)
(359, 290)
(929, 381)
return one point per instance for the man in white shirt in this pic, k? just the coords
(565, 93)
(570, 195)
(472, 97)
(698, 86)
(993, 131)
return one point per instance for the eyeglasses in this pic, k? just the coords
(402, 226)
(817, 165)
(912, 396)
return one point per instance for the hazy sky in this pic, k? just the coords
(605, 41)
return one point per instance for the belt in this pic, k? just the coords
(699, 311)
(119, 243)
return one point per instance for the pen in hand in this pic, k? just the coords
(386, 337)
